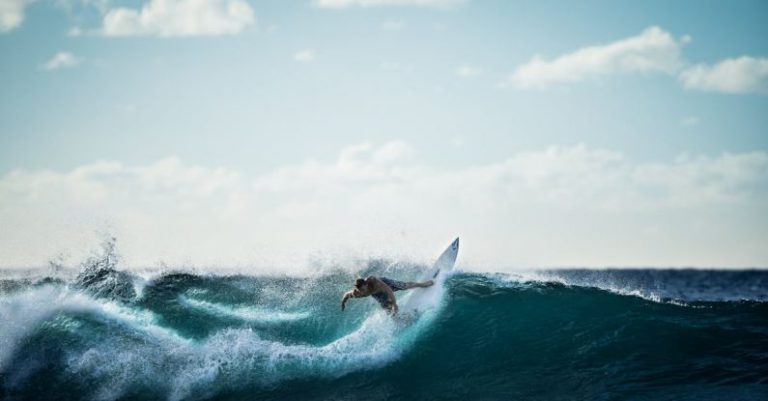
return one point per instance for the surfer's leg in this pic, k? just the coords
(422, 284)
(396, 285)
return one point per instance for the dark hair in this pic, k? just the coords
(359, 282)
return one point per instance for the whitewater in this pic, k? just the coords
(102, 333)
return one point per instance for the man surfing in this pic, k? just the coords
(381, 289)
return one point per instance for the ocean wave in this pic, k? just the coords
(110, 348)
(551, 336)
(230, 358)
(684, 287)
(22, 313)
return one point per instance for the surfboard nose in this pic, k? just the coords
(455, 244)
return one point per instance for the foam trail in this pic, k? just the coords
(234, 357)
(242, 312)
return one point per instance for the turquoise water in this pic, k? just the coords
(548, 335)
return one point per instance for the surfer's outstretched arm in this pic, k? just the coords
(355, 293)
(346, 297)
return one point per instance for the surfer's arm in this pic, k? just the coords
(347, 295)
(350, 294)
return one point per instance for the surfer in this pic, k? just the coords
(381, 289)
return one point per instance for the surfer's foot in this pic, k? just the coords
(427, 283)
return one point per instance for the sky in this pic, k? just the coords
(290, 134)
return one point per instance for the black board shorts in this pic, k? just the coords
(395, 285)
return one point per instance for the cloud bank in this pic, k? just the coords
(737, 75)
(652, 51)
(379, 3)
(560, 206)
(173, 18)
(61, 60)
(12, 14)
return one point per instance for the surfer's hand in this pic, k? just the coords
(394, 309)
(344, 301)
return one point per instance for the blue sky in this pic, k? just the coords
(425, 90)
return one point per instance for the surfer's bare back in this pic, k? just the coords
(381, 289)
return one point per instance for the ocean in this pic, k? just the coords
(576, 334)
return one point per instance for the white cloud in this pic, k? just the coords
(467, 71)
(736, 75)
(304, 56)
(61, 60)
(377, 3)
(169, 18)
(652, 51)
(568, 205)
(12, 14)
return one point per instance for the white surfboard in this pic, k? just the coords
(445, 261)
(421, 299)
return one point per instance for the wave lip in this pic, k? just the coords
(674, 286)
(24, 313)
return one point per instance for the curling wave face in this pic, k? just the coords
(550, 335)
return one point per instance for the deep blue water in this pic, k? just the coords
(546, 335)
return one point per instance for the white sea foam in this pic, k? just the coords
(520, 278)
(23, 312)
(154, 356)
(232, 357)
(247, 313)
(20, 313)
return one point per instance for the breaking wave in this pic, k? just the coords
(580, 334)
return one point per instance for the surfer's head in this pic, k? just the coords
(360, 283)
